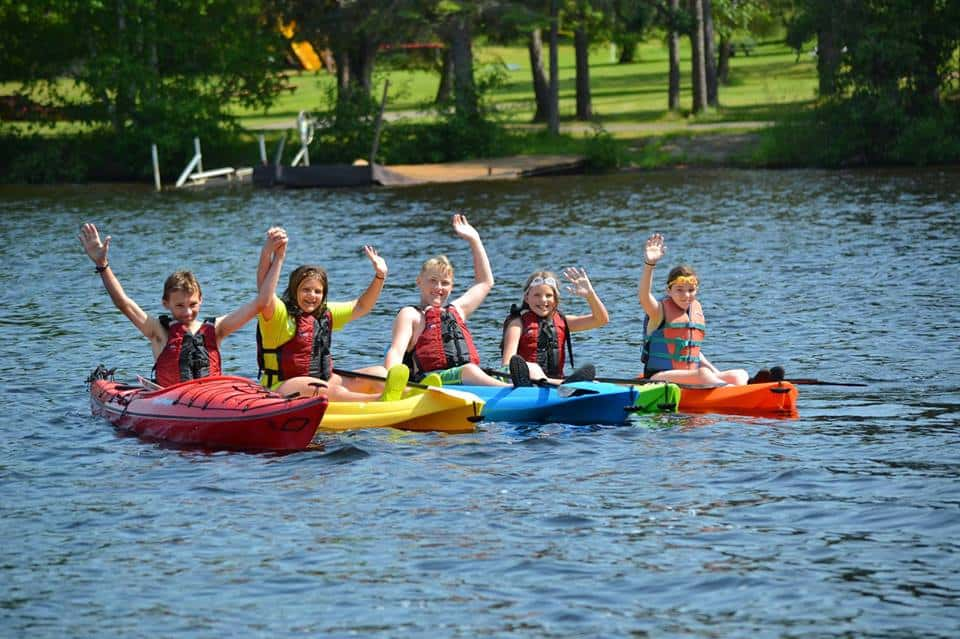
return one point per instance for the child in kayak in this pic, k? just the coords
(294, 332)
(675, 326)
(539, 333)
(433, 338)
(183, 346)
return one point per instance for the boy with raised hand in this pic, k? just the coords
(184, 347)
(432, 338)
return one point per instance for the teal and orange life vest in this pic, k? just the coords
(187, 355)
(444, 343)
(306, 354)
(676, 342)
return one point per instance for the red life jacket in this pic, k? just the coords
(187, 355)
(306, 354)
(676, 342)
(542, 341)
(444, 343)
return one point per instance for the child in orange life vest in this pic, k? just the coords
(675, 327)
(433, 337)
(294, 333)
(183, 347)
(540, 333)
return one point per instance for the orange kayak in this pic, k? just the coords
(775, 399)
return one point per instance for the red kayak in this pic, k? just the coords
(222, 412)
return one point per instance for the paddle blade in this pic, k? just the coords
(809, 381)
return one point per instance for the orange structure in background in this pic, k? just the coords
(303, 50)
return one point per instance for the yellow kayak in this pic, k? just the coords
(436, 409)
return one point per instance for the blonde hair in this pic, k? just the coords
(183, 281)
(440, 263)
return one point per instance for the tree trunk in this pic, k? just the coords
(828, 54)
(541, 85)
(367, 58)
(581, 42)
(723, 60)
(627, 46)
(445, 90)
(464, 89)
(673, 45)
(355, 68)
(710, 55)
(698, 75)
(553, 119)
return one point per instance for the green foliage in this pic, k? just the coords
(930, 139)
(603, 151)
(344, 131)
(861, 131)
(139, 72)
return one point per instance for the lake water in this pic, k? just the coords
(842, 523)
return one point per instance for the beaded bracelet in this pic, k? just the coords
(101, 269)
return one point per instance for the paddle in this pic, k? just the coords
(800, 381)
(378, 378)
(817, 382)
(563, 391)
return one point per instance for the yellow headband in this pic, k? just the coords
(683, 279)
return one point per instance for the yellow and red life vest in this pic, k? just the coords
(306, 354)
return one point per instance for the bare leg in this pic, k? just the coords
(311, 386)
(700, 377)
(473, 374)
(361, 385)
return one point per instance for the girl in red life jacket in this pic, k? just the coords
(675, 327)
(540, 333)
(433, 335)
(294, 333)
(183, 346)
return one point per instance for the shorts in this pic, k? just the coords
(449, 376)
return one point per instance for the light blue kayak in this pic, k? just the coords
(573, 403)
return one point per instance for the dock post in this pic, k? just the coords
(156, 166)
(199, 156)
(263, 149)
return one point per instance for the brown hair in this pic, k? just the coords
(297, 277)
(183, 281)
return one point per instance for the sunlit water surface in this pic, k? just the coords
(842, 523)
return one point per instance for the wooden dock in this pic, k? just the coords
(507, 168)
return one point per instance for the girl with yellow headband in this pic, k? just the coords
(675, 327)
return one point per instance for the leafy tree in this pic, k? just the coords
(153, 70)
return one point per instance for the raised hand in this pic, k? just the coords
(277, 241)
(463, 229)
(579, 282)
(90, 239)
(379, 264)
(654, 249)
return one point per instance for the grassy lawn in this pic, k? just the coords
(762, 85)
